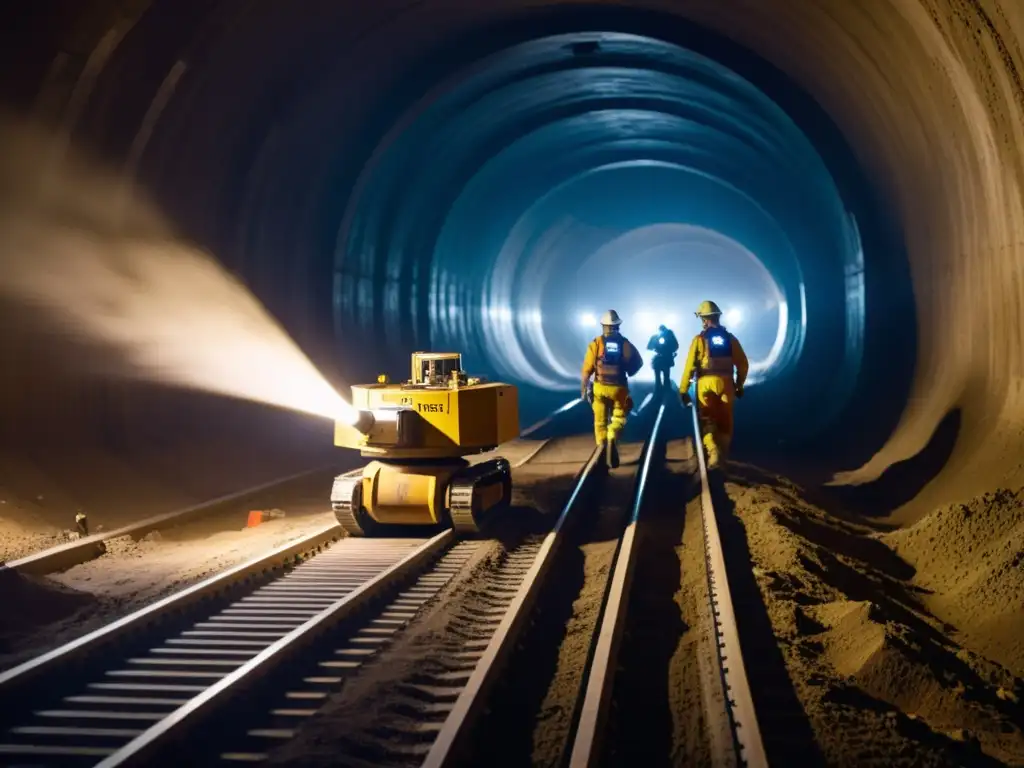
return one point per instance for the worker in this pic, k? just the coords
(611, 358)
(664, 345)
(712, 356)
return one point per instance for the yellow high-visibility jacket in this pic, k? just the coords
(631, 360)
(698, 360)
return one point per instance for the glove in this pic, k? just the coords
(686, 399)
(739, 391)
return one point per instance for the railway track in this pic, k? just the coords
(119, 695)
(295, 624)
(122, 694)
(85, 548)
(737, 717)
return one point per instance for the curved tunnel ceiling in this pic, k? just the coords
(511, 143)
(254, 128)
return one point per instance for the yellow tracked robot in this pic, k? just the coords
(418, 434)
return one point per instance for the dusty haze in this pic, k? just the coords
(97, 263)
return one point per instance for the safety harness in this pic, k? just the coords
(609, 368)
(718, 343)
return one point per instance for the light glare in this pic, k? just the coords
(733, 317)
(102, 266)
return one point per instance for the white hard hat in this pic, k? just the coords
(611, 317)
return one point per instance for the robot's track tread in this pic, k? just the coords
(343, 502)
(463, 486)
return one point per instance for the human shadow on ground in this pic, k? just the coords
(785, 728)
(640, 729)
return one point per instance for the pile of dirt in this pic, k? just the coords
(30, 603)
(18, 540)
(882, 679)
(970, 558)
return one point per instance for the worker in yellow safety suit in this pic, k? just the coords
(713, 354)
(611, 358)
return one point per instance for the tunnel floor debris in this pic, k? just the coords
(902, 648)
(886, 670)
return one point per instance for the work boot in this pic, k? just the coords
(712, 459)
(612, 455)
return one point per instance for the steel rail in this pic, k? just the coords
(64, 556)
(550, 417)
(180, 600)
(472, 700)
(593, 711)
(85, 645)
(143, 747)
(72, 553)
(203, 700)
(215, 660)
(739, 699)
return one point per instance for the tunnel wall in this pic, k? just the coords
(928, 92)
(528, 130)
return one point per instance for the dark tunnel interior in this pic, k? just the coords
(490, 182)
(228, 226)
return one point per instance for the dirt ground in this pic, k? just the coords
(851, 637)
(52, 610)
(20, 536)
(592, 557)
(531, 716)
(970, 560)
(903, 648)
(893, 648)
(38, 503)
(389, 713)
(56, 609)
(666, 695)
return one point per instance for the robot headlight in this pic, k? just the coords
(373, 420)
(393, 427)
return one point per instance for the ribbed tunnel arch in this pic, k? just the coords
(762, 317)
(258, 127)
(547, 265)
(531, 136)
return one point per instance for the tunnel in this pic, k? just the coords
(845, 177)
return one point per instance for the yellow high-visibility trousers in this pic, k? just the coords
(617, 398)
(715, 396)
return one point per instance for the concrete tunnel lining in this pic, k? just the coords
(591, 128)
(590, 111)
(759, 231)
(927, 93)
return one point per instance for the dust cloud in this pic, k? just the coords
(80, 247)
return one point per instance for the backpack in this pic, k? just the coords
(611, 351)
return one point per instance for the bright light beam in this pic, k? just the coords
(115, 276)
(587, 319)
